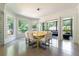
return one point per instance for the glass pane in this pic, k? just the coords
(34, 27)
(67, 26)
(67, 29)
(52, 25)
(10, 25)
(23, 26)
(44, 26)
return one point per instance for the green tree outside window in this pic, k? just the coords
(10, 21)
(23, 26)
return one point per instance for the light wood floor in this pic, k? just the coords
(58, 48)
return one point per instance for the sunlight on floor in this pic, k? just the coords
(54, 42)
(58, 48)
(21, 47)
(10, 50)
(67, 47)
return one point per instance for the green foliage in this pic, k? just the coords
(67, 26)
(23, 26)
(10, 23)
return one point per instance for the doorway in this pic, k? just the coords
(67, 29)
(53, 27)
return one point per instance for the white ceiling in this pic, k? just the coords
(30, 9)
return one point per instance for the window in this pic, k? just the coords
(23, 26)
(67, 28)
(44, 26)
(34, 27)
(10, 22)
(52, 25)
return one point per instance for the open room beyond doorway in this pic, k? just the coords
(67, 29)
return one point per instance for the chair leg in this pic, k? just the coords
(50, 41)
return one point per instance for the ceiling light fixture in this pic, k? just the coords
(38, 9)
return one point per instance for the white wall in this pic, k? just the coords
(77, 24)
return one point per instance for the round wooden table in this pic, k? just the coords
(38, 36)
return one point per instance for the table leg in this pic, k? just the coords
(37, 43)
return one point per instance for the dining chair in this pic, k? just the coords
(32, 40)
(46, 40)
(27, 37)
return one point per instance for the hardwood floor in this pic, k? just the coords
(58, 48)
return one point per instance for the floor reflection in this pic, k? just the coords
(54, 42)
(67, 47)
(16, 47)
(10, 51)
(21, 47)
(64, 46)
(58, 48)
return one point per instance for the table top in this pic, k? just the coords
(40, 33)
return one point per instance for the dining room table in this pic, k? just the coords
(38, 36)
